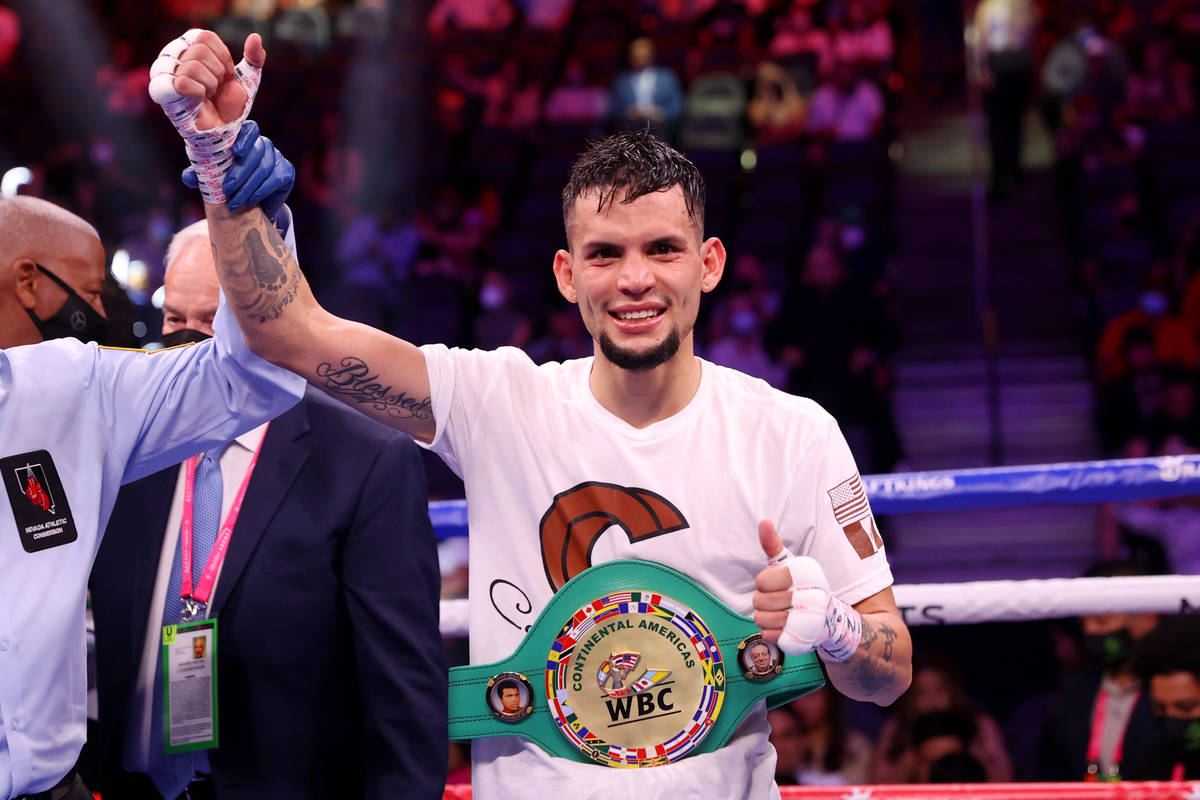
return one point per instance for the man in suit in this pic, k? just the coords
(646, 93)
(331, 679)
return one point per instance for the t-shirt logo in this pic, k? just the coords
(853, 513)
(578, 516)
(38, 501)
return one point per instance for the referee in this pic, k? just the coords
(77, 421)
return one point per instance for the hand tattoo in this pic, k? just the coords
(353, 380)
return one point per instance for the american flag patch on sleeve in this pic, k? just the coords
(853, 514)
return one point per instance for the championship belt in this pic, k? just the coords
(629, 665)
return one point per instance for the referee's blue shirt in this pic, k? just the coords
(104, 417)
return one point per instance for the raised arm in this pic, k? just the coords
(380, 375)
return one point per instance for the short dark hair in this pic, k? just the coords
(1173, 646)
(639, 163)
(505, 685)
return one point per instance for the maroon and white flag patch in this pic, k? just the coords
(853, 513)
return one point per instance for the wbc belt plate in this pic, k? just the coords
(631, 664)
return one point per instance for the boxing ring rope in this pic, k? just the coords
(993, 601)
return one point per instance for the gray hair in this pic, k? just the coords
(183, 239)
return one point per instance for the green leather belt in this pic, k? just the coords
(631, 664)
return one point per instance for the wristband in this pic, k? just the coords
(843, 630)
(211, 151)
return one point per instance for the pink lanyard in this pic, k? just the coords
(195, 602)
(1093, 751)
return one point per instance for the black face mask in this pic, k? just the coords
(75, 319)
(1110, 649)
(1181, 736)
(184, 336)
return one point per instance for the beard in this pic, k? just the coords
(643, 360)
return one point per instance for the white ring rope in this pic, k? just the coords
(1002, 601)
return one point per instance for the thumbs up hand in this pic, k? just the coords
(794, 607)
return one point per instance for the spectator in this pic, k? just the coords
(834, 339)
(577, 99)
(865, 39)
(834, 754)
(1004, 32)
(1173, 339)
(499, 324)
(777, 111)
(448, 16)
(1161, 89)
(846, 108)
(936, 689)
(374, 257)
(788, 740)
(565, 338)
(1083, 63)
(1128, 402)
(1103, 718)
(646, 93)
(1174, 522)
(547, 15)
(1169, 664)
(740, 346)
(959, 767)
(452, 226)
(942, 735)
(803, 47)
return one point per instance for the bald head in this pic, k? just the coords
(35, 232)
(190, 287)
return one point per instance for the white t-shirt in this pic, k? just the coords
(544, 465)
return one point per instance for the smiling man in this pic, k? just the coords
(751, 493)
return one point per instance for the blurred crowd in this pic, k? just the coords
(1118, 92)
(431, 144)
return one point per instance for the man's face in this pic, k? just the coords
(510, 698)
(637, 270)
(1176, 694)
(760, 656)
(79, 263)
(190, 290)
(1103, 624)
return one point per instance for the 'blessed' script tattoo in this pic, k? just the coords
(354, 381)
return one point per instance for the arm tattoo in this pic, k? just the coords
(352, 380)
(889, 640)
(262, 284)
(871, 677)
(874, 672)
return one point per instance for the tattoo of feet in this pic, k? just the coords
(353, 380)
(274, 288)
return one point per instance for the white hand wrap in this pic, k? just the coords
(210, 152)
(817, 620)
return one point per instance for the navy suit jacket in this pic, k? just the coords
(666, 93)
(332, 680)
